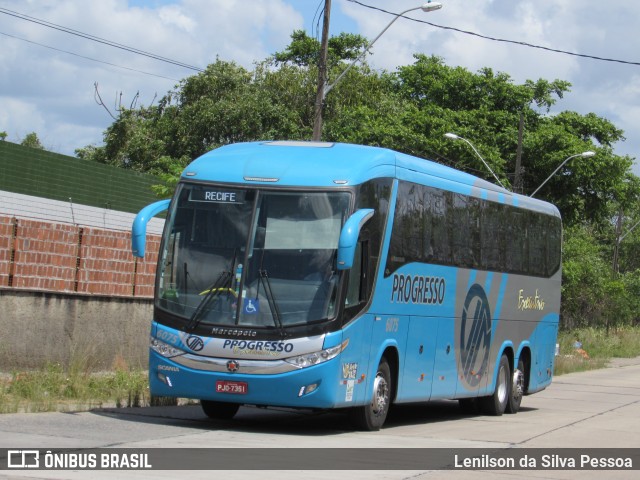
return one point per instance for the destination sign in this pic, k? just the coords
(217, 196)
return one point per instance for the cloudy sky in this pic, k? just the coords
(47, 75)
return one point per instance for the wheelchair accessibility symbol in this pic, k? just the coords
(251, 306)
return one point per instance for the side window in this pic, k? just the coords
(554, 242)
(537, 236)
(492, 236)
(412, 238)
(439, 229)
(516, 245)
(358, 287)
(375, 194)
(354, 288)
(446, 228)
(464, 219)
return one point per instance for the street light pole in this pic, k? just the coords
(324, 89)
(453, 136)
(586, 154)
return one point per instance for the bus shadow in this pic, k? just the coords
(432, 412)
(248, 419)
(287, 421)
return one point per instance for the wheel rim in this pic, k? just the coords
(380, 395)
(502, 384)
(518, 385)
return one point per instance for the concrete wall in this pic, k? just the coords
(90, 331)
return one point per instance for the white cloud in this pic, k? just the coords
(172, 15)
(52, 92)
(18, 118)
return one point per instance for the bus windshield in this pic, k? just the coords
(250, 257)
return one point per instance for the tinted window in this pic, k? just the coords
(446, 228)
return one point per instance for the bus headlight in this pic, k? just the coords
(164, 349)
(315, 358)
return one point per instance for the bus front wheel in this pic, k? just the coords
(219, 410)
(497, 403)
(371, 417)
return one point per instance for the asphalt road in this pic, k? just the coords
(590, 410)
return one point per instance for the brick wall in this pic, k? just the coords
(67, 258)
(6, 229)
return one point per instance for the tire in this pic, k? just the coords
(219, 410)
(517, 389)
(371, 417)
(496, 404)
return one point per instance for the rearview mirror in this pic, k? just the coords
(349, 237)
(139, 227)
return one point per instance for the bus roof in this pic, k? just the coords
(328, 164)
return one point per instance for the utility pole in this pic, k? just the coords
(322, 72)
(517, 181)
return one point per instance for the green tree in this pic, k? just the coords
(31, 140)
(585, 276)
(304, 51)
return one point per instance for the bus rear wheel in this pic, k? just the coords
(371, 417)
(517, 389)
(219, 410)
(496, 404)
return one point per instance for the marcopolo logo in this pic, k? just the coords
(195, 343)
(475, 335)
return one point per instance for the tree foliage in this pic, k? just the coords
(410, 110)
(304, 51)
(31, 140)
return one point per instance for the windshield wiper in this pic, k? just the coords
(263, 279)
(222, 283)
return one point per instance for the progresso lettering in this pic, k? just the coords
(418, 289)
(258, 346)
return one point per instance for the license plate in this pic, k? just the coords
(226, 386)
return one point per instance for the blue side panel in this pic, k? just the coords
(445, 371)
(388, 332)
(543, 353)
(419, 354)
(355, 363)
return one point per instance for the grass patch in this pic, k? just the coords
(54, 388)
(598, 347)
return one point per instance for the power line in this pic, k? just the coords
(97, 39)
(503, 40)
(87, 58)
(316, 20)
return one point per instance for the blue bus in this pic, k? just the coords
(319, 275)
